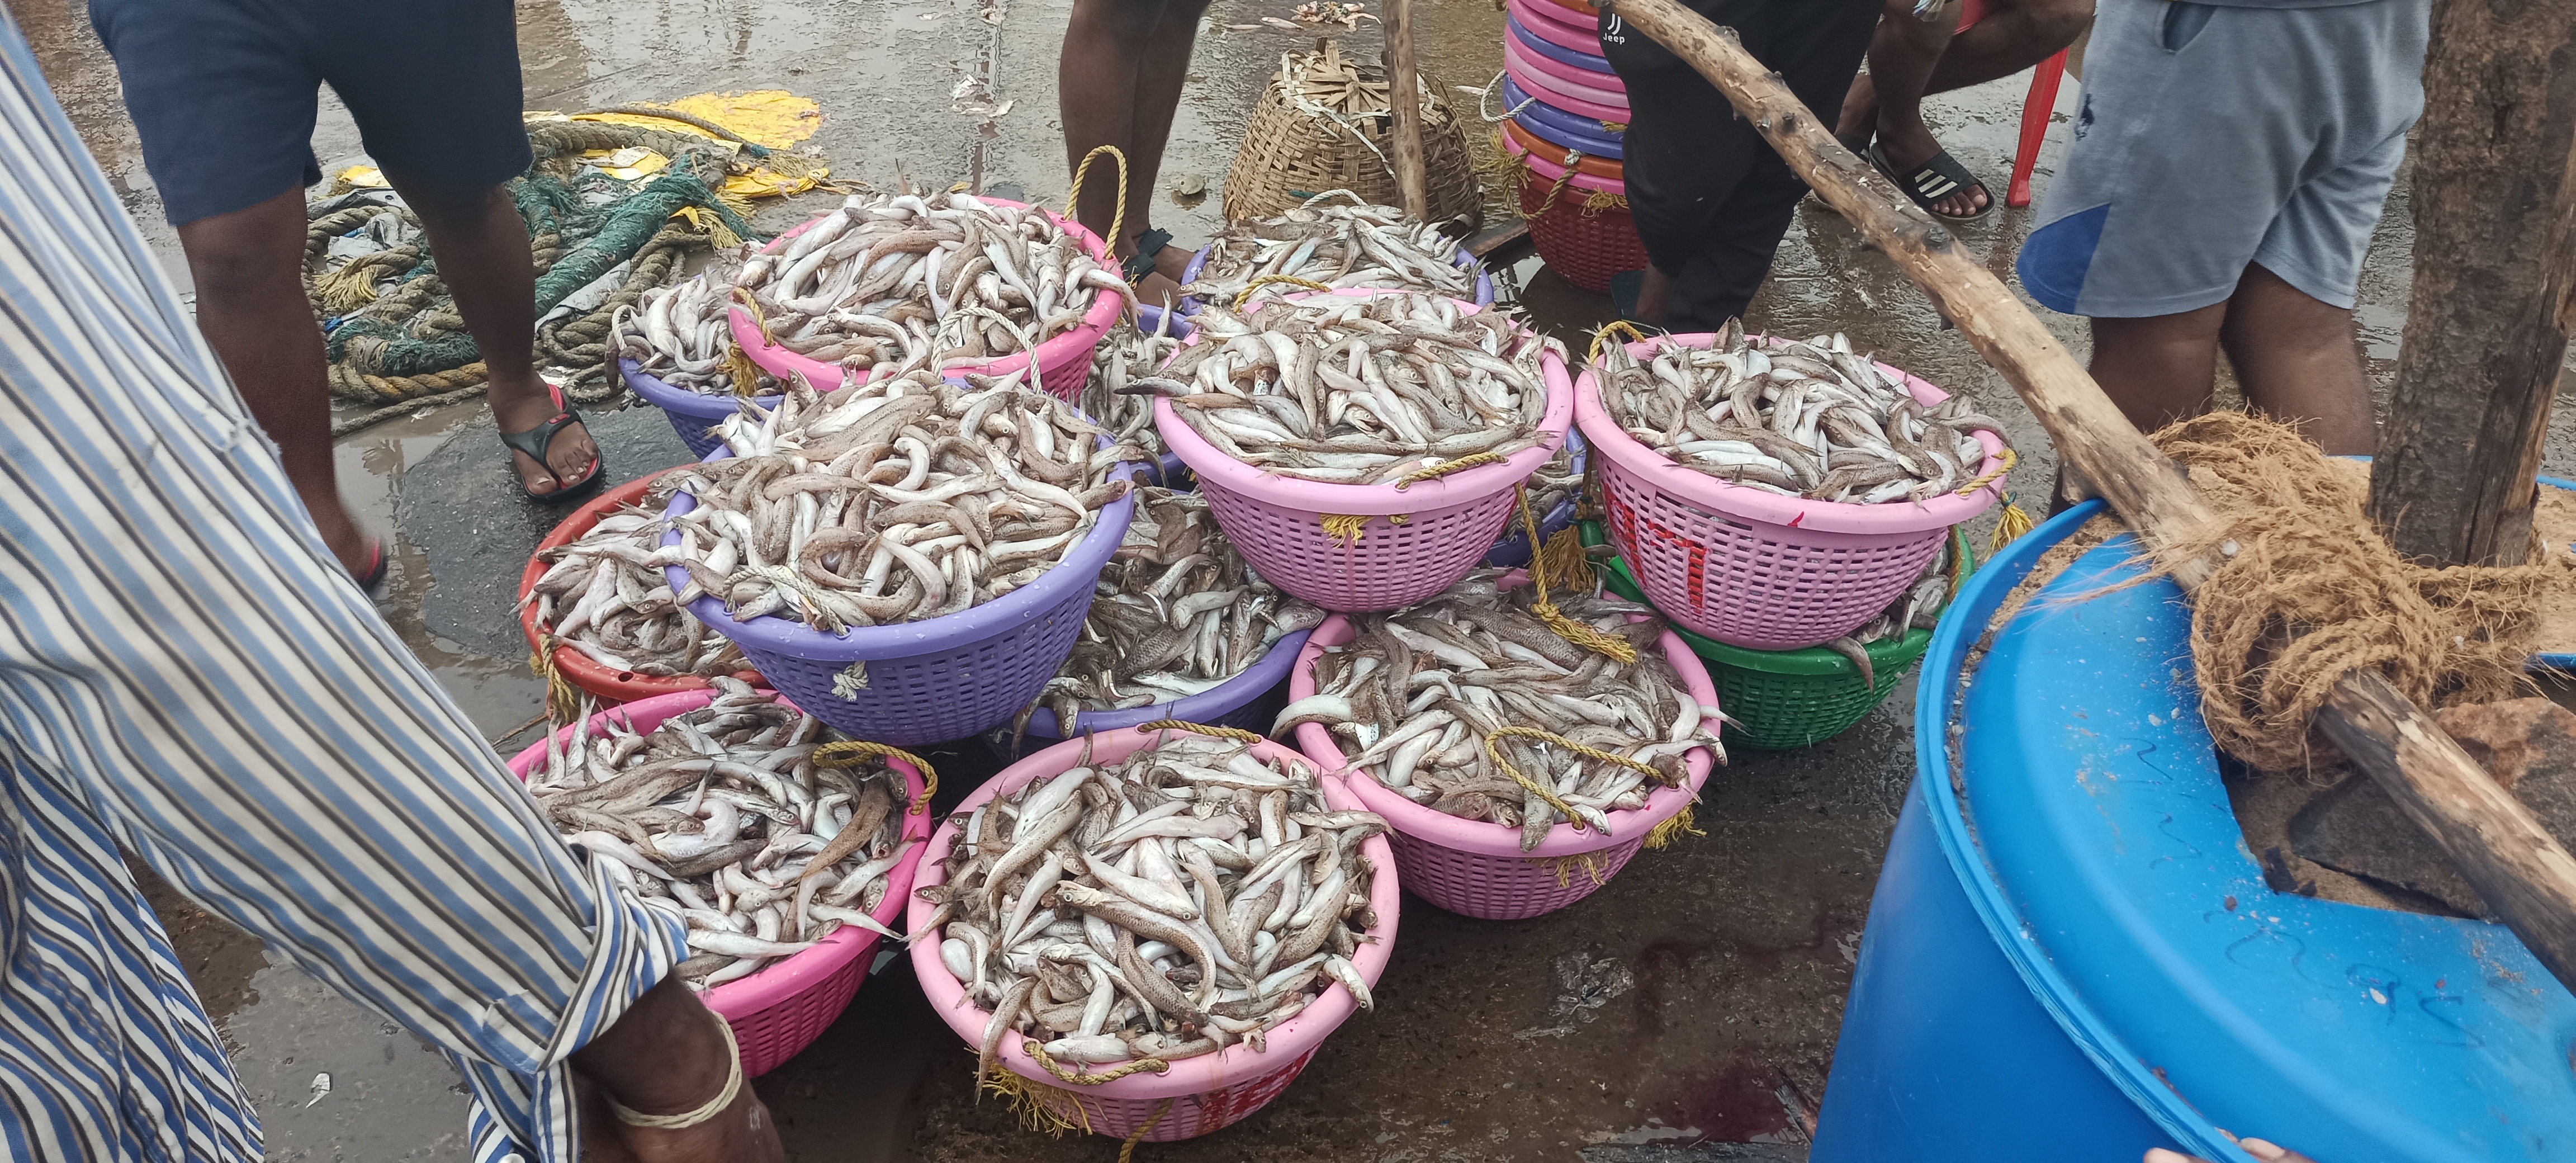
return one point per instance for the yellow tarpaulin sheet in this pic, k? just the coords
(774, 118)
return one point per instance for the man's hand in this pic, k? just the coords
(668, 1055)
(2261, 1149)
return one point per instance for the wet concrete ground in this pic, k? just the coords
(1686, 1012)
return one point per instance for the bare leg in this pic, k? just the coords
(664, 1056)
(1902, 55)
(1654, 296)
(2161, 368)
(1119, 81)
(1165, 67)
(2294, 356)
(248, 267)
(2012, 36)
(482, 250)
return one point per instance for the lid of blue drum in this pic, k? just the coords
(2353, 1034)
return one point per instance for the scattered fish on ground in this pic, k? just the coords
(1176, 612)
(891, 283)
(606, 596)
(1340, 245)
(1417, 698)
(1358, 390)
(1168, 906)
(1805, 419)
(891, 501)
(722, 818)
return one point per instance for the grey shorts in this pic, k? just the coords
(2210, 137)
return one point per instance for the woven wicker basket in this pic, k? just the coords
(1323, 124)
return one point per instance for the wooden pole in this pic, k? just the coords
(2495, 263)
(1404, 96)
(2493, 840)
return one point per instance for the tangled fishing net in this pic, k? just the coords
(2305, 555)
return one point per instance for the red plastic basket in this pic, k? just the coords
(1583, 246)
(782, 1008)
(577, 668)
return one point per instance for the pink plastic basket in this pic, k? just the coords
(1534, 17)
(1475, 868)
(780, 1009)
(1587, 24)
(1563, 93)
(1546, 170)
(1196, 1095)
(1583, 81)
(1421, 540)
(1756, 569)
(1064, 361)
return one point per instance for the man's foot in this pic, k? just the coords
(1160, 286)
(1907, 150)
(356, 552)
(571, 460)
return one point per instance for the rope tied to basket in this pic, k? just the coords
(1073, 196)
(1545, 607)
(739, 370)
(1444, 468)
(1494, 751)
(1028, 1103)
(1245, 295)
(2012, 522)
(1599, 200)
(852, 752)
(1237, 734)
(1030, 1047)
(562, 701)
(1601, 337)
(1127, 1150)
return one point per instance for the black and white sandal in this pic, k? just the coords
(534, 442)
(1932, 181)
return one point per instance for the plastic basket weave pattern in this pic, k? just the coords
(693, 415)
(1415, 542)
(933, 680)
(783, 1007)
(1584, 247)
(1203, 1093)
(1511, 550)
(1064, 359)
(1478, 869)
(1756, 569)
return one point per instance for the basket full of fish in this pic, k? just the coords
(675, 349)
(951, 283)
(1134, 350)
(1180, 628)
(1362, 448)
(1149, 932)
(594, 593)
(785, 849)
(1518, 770)
(1342, 246)
(1773, 494)
(908, 559)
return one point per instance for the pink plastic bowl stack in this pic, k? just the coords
(1478, 869)
(782, 1008)
(1416, 540)
(1756, 569)
(1064, 361)
(1193, 1096)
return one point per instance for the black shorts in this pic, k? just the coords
(224, 92)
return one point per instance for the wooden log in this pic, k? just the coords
(2495, 265)
(2498, 846)
(1404, 96)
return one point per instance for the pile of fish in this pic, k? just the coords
(1338, 246)
(605, 595)
(1125, 355)
(721, 817)
(1174, 613)
(1358, 390)
(680, 334)
(1413, 697)
(890, 501)
(893, 283)
(1553, 484)
(1808, 419)
(1168, 906)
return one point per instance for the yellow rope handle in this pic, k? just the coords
(2009, 459)
(1345, 527)
(1601, 337)
(1444, 468)
(2010, 523)
(1599, 200)
(1584, 750)
(1030, 1047)
(1248, 288)
(1562, 867)
(759, 318)
(1545, 607)
(1235, 733)
(1493, 750)
(1073, 197)
(1564, 178)
(1127, 1150)
(852, 752)
(562, 701)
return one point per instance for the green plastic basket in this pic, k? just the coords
(1780, 699)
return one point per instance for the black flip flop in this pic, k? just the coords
(1148, 245)
(535, 441)
(1934, 180)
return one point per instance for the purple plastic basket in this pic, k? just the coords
(693, 414)
(1571, 130)
(1236, 702)
(1168, 470)
(1190, 305)
(1554, 51)
(933, 680)
(1511, 550)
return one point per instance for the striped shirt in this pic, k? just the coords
(185, 671)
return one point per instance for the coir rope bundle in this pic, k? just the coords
(2296, 552)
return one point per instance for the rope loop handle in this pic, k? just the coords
(1516, 730)
(1030, 1047)
(1555, 619)
(1601, 337)
(1073, 197)
(852, 752)
(759, 318)
(1444, 468)
(1235, 733)
(2009, 459)
(1240, 297)
(1127, 1150)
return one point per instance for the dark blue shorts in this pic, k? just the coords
(225, 91)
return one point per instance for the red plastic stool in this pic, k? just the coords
(2035, 108)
